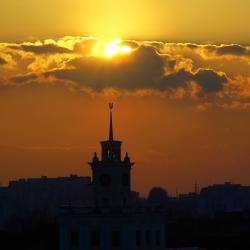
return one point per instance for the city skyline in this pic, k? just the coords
(178, 73)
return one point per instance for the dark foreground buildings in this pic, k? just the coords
(42, 197)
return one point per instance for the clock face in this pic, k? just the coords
(105, 180)
(125, 179)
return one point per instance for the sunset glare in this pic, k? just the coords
(114, 48)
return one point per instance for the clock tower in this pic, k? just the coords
(117, 220)
(111, 174)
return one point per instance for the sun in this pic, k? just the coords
(115, 47)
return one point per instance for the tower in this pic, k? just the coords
(106, 225)
(111, 174)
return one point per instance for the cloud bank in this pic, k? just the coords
(209, 75)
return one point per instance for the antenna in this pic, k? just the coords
(176, 192)
(111, 105)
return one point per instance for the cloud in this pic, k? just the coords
(208, 72)
(65, 45)
(207, 50)
(210, 80)
(2, 61)
(144, 69)
(24, 78)
(238, 89)
(235, 105)
(225, 50)
(231, 50)
(130, 43)
(42, 49)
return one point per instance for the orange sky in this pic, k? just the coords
(50, 131)
(181, 107)
(169, 20)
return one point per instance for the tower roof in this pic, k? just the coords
(111, 139)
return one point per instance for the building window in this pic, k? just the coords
(157, 238)
(116, 239)
(74, 240)
(138, 238)
(148, 241)
(95, 239)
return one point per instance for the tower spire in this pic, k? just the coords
(111, 122)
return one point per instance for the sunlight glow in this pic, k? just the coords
(114, 48)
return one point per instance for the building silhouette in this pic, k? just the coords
(43, 196)
(227, 197)
(211, 200)
(115, 221)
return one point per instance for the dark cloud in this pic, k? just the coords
(170, 63)
(224, 50)
(219, 50)
(144, 69)
(176, 79)
(23, 78)
(210, 80)
(2, 61)
(231, 50)
(42, 49)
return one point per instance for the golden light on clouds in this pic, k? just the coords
(110, 49)
(114, 48)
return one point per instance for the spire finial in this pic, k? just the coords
(111, 122)
(111, 105)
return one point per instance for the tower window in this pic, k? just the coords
(105, 180)
(116, 239)
(125, 179)
(74, 240)
(148, 241)
(138, 238)
(95, 239)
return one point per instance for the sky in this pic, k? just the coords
(168, 20)
(177, 71)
